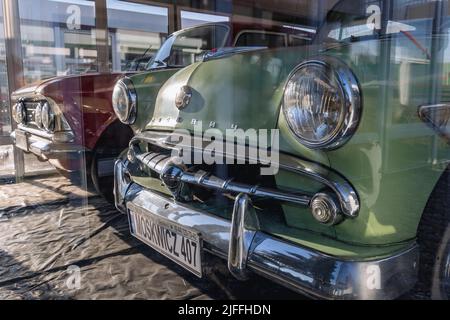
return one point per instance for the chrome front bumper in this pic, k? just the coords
(42, 145)
(246, 248)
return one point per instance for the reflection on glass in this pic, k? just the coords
(57, 37)
(264, 39)
(191, 18)
(6, 160)
(187, 46)
(136, 31)
(6, 151)
(5, 127)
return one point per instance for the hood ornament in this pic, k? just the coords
(183, 97)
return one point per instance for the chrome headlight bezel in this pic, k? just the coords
(350, 106)
(124, 89)
(48, 117)
(19, 112)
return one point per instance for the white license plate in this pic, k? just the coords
(21, 140)
(174, 241)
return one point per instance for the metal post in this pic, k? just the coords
(102, 35)
(385, 57)
(436, 65)
(14, 65)
(59, 43)
(175, 18)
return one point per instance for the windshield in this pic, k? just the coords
(186, 47)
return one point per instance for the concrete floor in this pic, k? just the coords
(58, 241)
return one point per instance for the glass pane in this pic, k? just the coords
(188, 46)
(58, 38)
(263, 39)
(136, 31)
(306, 140)
(6, 150)
(6, 161)
(5, 125)
(191, 18)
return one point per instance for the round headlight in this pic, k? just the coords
(48, 117)
(38, 115)
(19, 112)
(322, 103)
(124, 101)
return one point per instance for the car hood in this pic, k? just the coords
(58, 86)
(242, 91)
(30, 89)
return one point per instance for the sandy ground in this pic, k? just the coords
(58, 241)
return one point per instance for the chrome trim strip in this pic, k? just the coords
(229, 51)
(347, 196)
(294, 266)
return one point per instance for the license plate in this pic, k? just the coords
(174, 241)
(21, 140)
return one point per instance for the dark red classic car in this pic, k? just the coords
(70, 122)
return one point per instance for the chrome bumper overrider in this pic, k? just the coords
(246, 248)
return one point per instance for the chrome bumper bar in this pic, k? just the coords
(45, 147)
(246, 248)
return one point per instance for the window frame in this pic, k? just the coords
(255, 31)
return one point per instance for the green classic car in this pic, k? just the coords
(348, 196)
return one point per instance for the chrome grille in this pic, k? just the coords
(336, 184)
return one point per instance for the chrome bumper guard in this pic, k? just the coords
(246, 249)
(44, 147)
